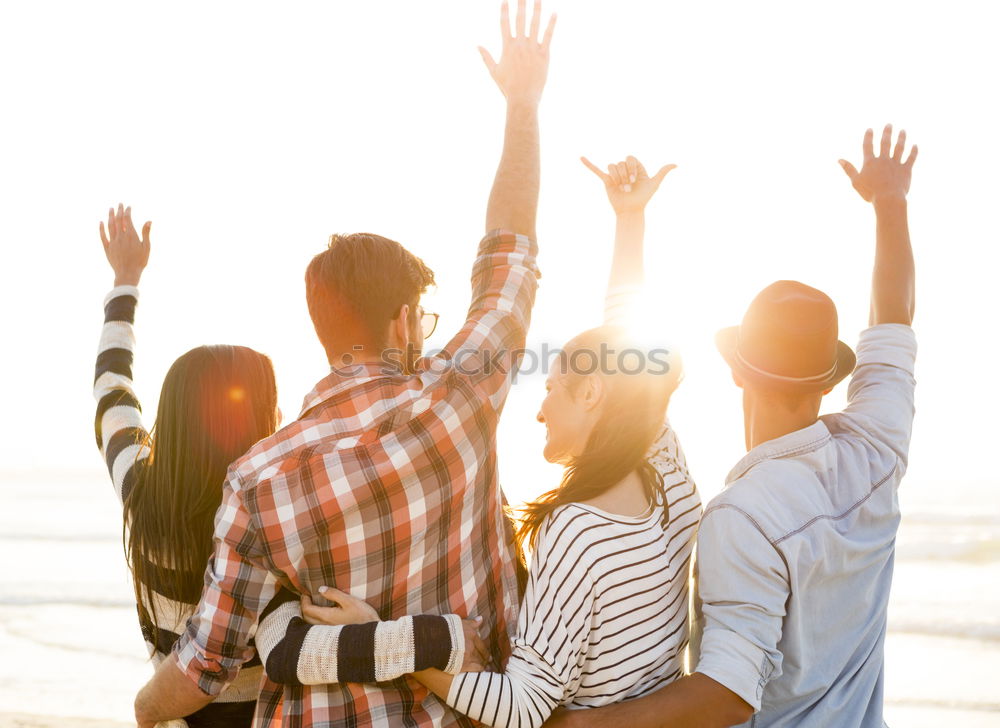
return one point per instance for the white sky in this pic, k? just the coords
(248, 132)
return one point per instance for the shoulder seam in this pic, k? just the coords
(878, 484)
(773, 542)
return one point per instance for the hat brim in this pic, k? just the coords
(727, 339)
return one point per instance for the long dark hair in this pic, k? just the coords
(215, 403)
(632, 414)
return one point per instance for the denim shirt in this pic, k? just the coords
(795, 556)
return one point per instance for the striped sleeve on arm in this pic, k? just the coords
(297, 653)
(544, 669)
(118, 423)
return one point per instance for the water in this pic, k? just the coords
(72, 648)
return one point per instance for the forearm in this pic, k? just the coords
(297, 653)
(436, 681)
(893, 280)
(169, 694)
(626, 263)
(695, 701)
(513, 200)
(118, 419)
(501, 700)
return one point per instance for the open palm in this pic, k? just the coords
(886, 176)
(125, 251)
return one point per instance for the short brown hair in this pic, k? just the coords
(357, 285)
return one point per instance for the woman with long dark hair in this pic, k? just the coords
(604, 617)
(216, 401)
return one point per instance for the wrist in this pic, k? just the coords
(522, 104)
(631, 216)
(127, 279)
(889, 203)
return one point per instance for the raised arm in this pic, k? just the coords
(118, 423)
(520, 74)
(629, 189)
(505, 273)
(884, 181)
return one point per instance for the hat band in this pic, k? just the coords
(817, 378)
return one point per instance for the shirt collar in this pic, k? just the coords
(801, 441)
(345, 378)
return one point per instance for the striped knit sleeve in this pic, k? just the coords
(118, 423)
(544, 669)
(297, 653)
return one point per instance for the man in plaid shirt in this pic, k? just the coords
(386, 486)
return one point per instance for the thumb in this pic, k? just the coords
(663, 172)
(145, 233)
(488, 60)
(849, 169)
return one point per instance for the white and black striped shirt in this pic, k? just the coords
(605, 614)
(123, 442)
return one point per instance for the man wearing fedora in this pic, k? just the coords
(795, 556)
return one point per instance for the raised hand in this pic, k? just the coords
(347, 609)
(126, 253)
(886, 176)
(628, 185)
(524, 62)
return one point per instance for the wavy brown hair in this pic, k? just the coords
(632, 413)
(216, 401)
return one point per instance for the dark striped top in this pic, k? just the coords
(123, 442)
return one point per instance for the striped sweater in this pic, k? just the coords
(124, 444)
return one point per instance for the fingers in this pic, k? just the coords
(623, 174)
(491, 65)
(145, 232)
(505, 23)
(616, 179)
(912, 158)
(547, 40)
(593, 168)
(104, 238)
(128, 219)
(120, 218)
(664, 170)
(520, 18)
(632, 166)
(536, 18)
(897, 153)
(849, 169)
(886, 141)
(111, 223)
(867, 145)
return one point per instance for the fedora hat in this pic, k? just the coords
(788, 341)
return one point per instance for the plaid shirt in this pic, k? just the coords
(385, 487)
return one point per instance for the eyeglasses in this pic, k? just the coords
(428, 322)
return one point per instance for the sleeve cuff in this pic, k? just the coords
(735, 663)
(193, 664)
(891, 344)
(457, 656)
(119, 291)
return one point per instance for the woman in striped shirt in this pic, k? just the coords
(604, 616)
(216, 401)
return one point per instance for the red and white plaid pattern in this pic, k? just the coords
(385, 487)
